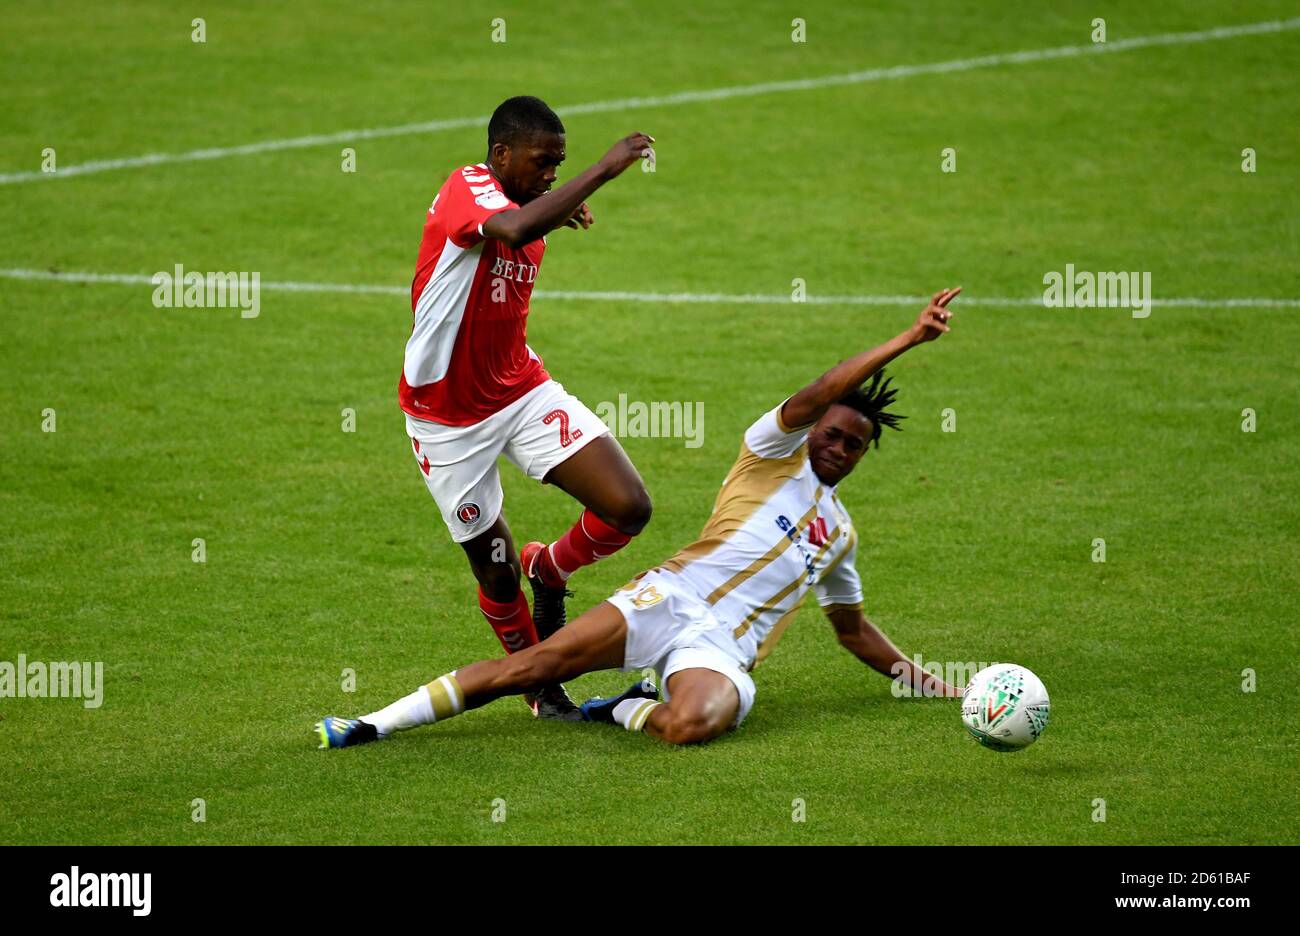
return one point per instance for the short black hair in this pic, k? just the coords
(870, 400)
(521, 118)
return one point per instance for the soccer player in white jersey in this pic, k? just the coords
(705, 617)
(473, 390)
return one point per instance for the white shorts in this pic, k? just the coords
(537, 432)
(670, 629)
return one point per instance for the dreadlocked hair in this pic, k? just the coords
(870, 400)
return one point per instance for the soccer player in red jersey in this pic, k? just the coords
(473, 390)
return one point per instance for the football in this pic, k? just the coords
(1005, 707)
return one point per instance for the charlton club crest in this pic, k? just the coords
(467, 513)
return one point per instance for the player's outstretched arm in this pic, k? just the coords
(865, 641)
(566, 203)
(808, 405)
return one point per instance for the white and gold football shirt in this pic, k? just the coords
(776, 533)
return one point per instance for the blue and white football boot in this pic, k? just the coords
(602, 710)
(344, 732)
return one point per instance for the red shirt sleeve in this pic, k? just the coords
(470, 198)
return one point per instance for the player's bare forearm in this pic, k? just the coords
(566, 203)
(866, 641)
(544, 214)
(809, 404)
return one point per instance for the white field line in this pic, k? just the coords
(667, 100)
(137, 279)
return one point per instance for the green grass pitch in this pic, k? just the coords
(324, 551)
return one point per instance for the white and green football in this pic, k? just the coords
(1005, 707)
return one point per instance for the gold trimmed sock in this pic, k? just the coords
(431, 703)
(632, 714)
(447, 697)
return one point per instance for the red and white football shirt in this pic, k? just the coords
(467, 356)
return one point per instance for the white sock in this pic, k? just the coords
(440, 699)
(632, 714)
(407, 712)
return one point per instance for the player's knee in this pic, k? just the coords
(631, 512)
(690, 729)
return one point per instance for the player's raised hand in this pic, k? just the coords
(625, 152)
(581, 218)
(933, 322)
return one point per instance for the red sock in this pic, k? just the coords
(591, 538)
(511, 620)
